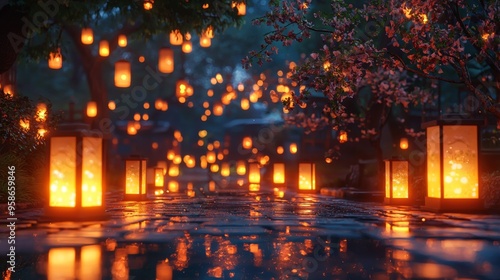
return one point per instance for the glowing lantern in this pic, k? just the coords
(279, 173)
(452, 165)
(75, 174)
(148, 4)
(211, 186)
(158, 175)
(8, 90)
(254, 173)
(205, 41)
(104, 48)
(242, 8)
(247, 143)
(173, 171)
(25, 124)
(211, 157)
(214, 168)
(164, 271)
(245, 104)
(122, 74)
(187, 46)
(343, 137)
(55, 60)
(218, 109)
(241, 168)
(189, 161)
(131, 129)
(182, 89)
(122, 41)
(224, 169)
(173, 186)
(135, 178)
(396, 181)
(163, 165)
(91, 109)
(307, 177)
(176, 38)
(87, 36)
(166, 61)
(403, 143)
(293, 148)
(280, 150)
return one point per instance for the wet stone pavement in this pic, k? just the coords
(241, 235)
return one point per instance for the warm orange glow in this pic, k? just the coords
(55, 60)
(279, 173)
(131, 130)
(166, 60)
(396, 179)
(202, 133)
(293, 148)
(307, 176)
(280, 150)
(182, 88)
(403, 143)
(424, 18)
(159, 177)
(205, 41)
(41, 111)
(173, 171)
(224, 170)
(242, 8)
(148, 4)
(111, 105)
(122, 41)
(63, 171)
(24, 124)
(135, 176)
(122, 74)
(253, 173)
(189, 161)
(247, 142)
(61, 263)
(164, 271)
(241, 168)
(342, 136)
(170, 154)
(245, 104)
(90, 262)
(214, 168)
(407, 11)
(91, 109)
(211, 186)
(218, 109)
(254, 187)
(173, 186)
(104, 48)
(176, 38)
(87, 36)
(187, 46)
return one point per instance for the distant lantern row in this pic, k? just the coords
(241, 7)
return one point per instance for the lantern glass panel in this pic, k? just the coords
(135, 177)
(62, 172)
(307, 176)
(254, 173)
(433, 162)
(92, 172)
(279, 173)
(400, 179)
(159, 177)
(460, 161)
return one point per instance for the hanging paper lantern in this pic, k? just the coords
(55, 60)
(166, 60)
(104, 48)
(122, 74)
(87, 36)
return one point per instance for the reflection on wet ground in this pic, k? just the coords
(235, 235)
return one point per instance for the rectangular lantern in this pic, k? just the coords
(453, 165)
(166, 60)
(396, 181)
(279, 173)
(159, 180)
(76, 174)
(135, 178)
(122, 74)
(307, 177)
(253, 173)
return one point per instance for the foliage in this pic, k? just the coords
(30, 170)
(452, 41)
(20, 124)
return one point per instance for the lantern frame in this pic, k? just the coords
(312, 174)
(79, 132)
(442, 203)
(390, 166)
(142, 169)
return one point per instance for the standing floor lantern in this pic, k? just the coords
(135, 178)
(76, 174)
(307, 177)
(396, 182)
(159, 180)
(453, 166)
(253, 176)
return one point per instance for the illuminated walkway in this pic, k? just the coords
(236, 235)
